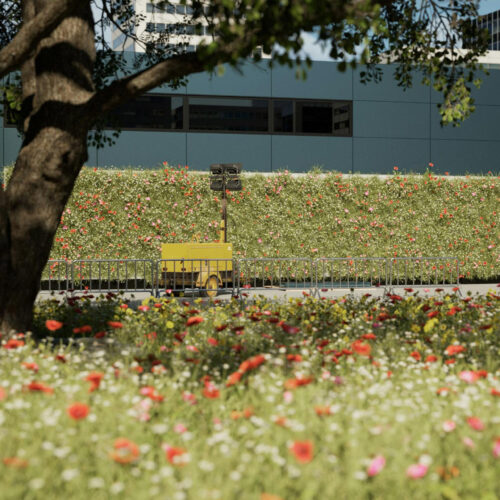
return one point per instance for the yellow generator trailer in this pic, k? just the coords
(203, 266)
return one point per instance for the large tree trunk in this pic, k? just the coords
(57, 83)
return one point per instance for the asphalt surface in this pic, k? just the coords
(282, 294)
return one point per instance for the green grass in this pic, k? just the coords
(377, 372)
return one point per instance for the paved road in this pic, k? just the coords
(283, 294)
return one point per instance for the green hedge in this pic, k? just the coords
(126, 213)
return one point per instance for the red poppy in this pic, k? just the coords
(13, 344)
(432, 314)
(494, 392)
(151, 393)
(431, 358)
(16, 462)
(175, 455)
(451, 350)
(126, 451)
(194, 320)
(303, 451)
(297, 358)
(53, 325)
(212, 341)
(3, 393)
(322, 411)
(82, 329)
(361, 348)
(78, 411)
(234, 378)
(475, 423)
(210, 391)
(30, 366)
(293, 383)
(95, 380)
(416, 355)
(115, 324)
(369, 336)
(39, 387)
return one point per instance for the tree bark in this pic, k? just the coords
(51, 156)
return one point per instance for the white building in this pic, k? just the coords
(171, 26)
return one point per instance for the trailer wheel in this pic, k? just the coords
(211, 287)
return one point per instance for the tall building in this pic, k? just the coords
(491, 22)
(171, 26)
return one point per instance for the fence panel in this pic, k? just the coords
(205, 277)
(282, 273)
(56, 276)
(424, 271)
(348, 272)
(117, 275)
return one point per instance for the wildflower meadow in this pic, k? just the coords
(312, 398)
(119, 214)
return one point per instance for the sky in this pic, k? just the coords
(317, 54)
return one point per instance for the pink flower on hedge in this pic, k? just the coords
(417, 471)
(376, 465)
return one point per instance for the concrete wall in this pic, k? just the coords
(391, 127)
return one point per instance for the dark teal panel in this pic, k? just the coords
(483, 124)
(380, 156)
(391, 119)
(324, 81)
(255, 81)
(387, 89)
(92, 157)
(466, 157)
(254, 151)
(299, 154)
(12, 144)
(145, 149)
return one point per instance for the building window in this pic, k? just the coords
(228, 114)
(313, 117)
(283, 116)
(150, 112)
(235, 114)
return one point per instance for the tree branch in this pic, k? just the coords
(13, 55)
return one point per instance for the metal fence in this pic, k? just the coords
(424, 271)
(208, 277)
(357, 272)
(279, 273)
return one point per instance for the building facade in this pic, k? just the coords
(171, 26)
(269, 120)
(491, 22)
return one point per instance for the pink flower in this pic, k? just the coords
(180, 428)
(468, 442)
(468, 376)
(259, 240)
(475, 423)
(376, 465)
(417, 471)
(496, 448)
(288, 396)
(449, 425)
